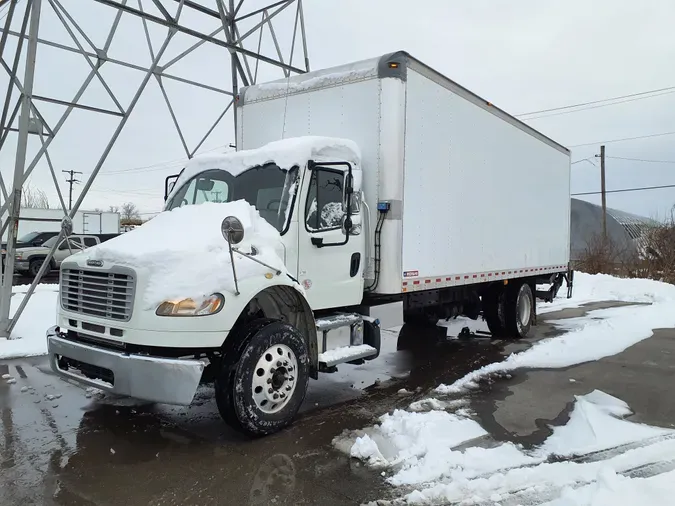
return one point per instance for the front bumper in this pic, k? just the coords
(154, 379)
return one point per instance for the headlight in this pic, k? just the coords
(188, 307)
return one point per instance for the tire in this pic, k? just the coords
(34, 267)
(519, 311)
(494, 310)
(242, 386)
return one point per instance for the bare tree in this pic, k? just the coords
(130, 212)
(114, 209)
(34, 198)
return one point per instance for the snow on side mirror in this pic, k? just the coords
(232, 230)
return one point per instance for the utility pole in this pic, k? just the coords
(603, 192)
(603, 189)
(71, 182)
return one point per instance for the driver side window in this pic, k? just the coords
(325, 206)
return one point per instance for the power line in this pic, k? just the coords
(640, 159)
(642, 96)
(597, 106)
(627, 190)
(169, 164)
(622, 140)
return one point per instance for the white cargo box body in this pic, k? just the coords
(49, 220)
(475, 194)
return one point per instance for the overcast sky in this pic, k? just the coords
(523, 56)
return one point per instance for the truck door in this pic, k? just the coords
(330, 263)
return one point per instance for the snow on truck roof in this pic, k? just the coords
(286, 153)
(393, 65)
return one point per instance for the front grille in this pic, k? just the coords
(103, 294)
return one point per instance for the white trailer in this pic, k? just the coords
(475, 195)
(49, 220)
(417, 191)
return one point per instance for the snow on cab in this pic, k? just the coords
(425, 194)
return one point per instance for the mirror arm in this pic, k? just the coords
(251, 257)
(234, 271)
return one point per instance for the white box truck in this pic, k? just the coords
(33, 221)
(417, 191)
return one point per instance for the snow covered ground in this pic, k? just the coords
(437, 453)
(28, 336)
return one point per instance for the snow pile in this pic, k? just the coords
(595, 335)
(615, 490)
(344, 352)
(602, 287)
(28, 336)
(286, 154)
(182, 253)
(595, 424)
(298, 85)
(421, 447)
(417, 441)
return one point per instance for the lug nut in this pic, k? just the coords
(285, 362)
(282, 395)
(269, 380)
(292, 378)
(276, 396)
(270, 391)
(273, 370)
(278, 363)
(290, 367)
(288, 388)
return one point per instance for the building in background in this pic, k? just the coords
(623, 229)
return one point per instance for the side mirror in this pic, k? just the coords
(232, 230)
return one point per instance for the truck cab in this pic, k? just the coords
(316, 208)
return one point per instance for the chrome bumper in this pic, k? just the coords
(163, 380)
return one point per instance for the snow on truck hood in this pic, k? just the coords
(286, 153)
(182, 253)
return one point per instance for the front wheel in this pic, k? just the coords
(263, 380)
(34, 268)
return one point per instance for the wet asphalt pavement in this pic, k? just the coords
(60, 445)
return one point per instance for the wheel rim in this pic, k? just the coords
(525, 309)
(275, 378)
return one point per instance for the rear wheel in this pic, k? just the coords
(263, 378)
(520, 310)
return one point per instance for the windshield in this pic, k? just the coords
(28, 237)
(268, 188)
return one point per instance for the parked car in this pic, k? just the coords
(29, 260)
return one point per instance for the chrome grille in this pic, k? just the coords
(104, 294)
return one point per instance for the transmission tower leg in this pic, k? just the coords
(19, 166)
